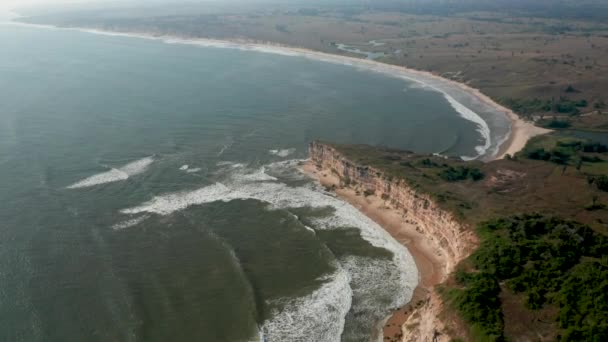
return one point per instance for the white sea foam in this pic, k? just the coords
(374, 283)
(482, 126)
(310, 229)
(225, 146)
(115, 175)
(167, 204)
(259, 175)
(282, 153)
(317, 317)
(254, 185)
(130, 223)
(187, 169)
(230, 164)
(376, 43)
(462, 110)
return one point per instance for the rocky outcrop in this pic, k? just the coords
(452, 241)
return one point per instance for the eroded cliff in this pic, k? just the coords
(450, 240)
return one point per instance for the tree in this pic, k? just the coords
(601, 182)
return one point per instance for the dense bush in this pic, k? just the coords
(454, 174)
(601, 182)
(558, 124)
(565, 150)
(527, 106)
(562, 105)
(547, 260)
(478, 303)
(584, 302)
(558, 156)
(595, 147)
(426, 162)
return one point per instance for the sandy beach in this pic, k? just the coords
(521, 132)
(431, 268)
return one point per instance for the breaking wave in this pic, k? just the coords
(397, 277)
(115, 175)
(316, 317)
(482, 126)
(282, 153)
(130, 223)
(187, 169)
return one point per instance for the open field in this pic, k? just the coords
(520, 283)
(504, 187)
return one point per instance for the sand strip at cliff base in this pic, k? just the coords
(430, 265)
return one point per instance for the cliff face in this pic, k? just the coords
(451, 240)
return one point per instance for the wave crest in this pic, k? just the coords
(115, 175)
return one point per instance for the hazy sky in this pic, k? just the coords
(9, 4)
(14, 3)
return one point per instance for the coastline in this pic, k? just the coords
(520, 130)
(431, 266)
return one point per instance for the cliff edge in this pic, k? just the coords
(448, 241)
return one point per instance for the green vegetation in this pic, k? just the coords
(601, 182)
(570, 89)
(558, 124)
(460, 173)
(565, 150)
(477, 300)
(549, 261)
(561, 105)
(558, 156)
(527, 107)
(520, 284)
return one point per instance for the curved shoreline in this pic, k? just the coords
(434, 238)
(520, 131)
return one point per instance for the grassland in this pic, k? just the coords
(514, 185)
(541, 216)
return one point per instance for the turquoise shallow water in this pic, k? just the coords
(148, 192)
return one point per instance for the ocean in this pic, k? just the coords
(150, 189)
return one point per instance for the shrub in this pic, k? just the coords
(548, 260)
(601, 182)
(460, 173)
(558, 124)
(559, 155)
(595, 147)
